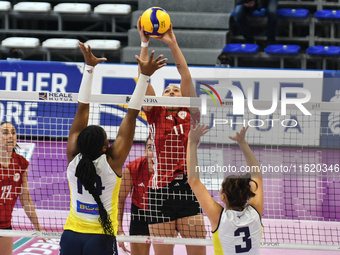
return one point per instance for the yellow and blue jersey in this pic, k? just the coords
(84, 211)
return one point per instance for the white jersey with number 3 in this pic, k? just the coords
(238, 232)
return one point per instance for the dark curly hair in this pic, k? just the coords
(237, 189)
(90, 143)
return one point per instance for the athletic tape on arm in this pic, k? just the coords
(139, 92)
(84, 95)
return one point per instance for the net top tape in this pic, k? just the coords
(63, 97)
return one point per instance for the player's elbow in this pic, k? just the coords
(193, 181)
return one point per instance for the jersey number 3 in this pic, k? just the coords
(246, 239)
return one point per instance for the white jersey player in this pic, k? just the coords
(237, 229)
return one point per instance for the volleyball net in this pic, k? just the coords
(298, 154)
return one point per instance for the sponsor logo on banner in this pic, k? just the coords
(150, 100)
(270, 244)
(42, 96)
(51, 234)
(334, 117)
(213, 90)
(154, 240)
(56, 96)
(330, 137)
(146, 100)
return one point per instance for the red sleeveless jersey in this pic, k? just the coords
(10, 187)
(140, 178)
(169, 135)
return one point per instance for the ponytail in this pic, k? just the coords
(90, 143)
(238, 189)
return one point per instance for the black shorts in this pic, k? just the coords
(74, 243)
(172, 202)
(9, 228)
(138, 222)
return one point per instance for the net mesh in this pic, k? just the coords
(300, 166)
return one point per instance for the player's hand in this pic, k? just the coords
(169, 37)
(143, 37)
(240, 137)
(88, 56)
(42, 230)
(122, 245)
(197, 132)
(150, 66)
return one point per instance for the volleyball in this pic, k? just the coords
(156, 21)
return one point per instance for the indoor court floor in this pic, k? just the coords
(37, 246)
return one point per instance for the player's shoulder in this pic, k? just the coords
(253, 211)
(19, 159)
(139, 160)
(136, 163)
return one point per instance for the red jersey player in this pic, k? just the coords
(13, 183)
(135, 179)
(172, 204)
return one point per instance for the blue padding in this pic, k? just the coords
(282, 49)
(327, 14)
(241, 48)
(256, 13)
(259, 13)
(292, 13)
(323, 50)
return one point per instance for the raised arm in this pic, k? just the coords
(120, 149)
(27, 203)
(255, 171)
(144, 55)
(187, 88)
(211, 208)
(125, 188)
(144, 38)
(82, 115)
